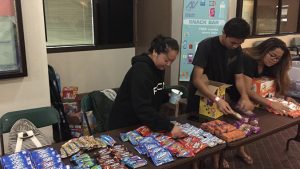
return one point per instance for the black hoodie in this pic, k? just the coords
(140, 96)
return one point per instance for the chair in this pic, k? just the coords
(86, 105)
(40, 117)
(101, 105)
(295, 48)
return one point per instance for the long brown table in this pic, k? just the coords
(268, 122)
(176, 163)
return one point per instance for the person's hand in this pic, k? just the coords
(289, 99)
(279, 108)
(224, 107)
(245, 105)
(177, 132)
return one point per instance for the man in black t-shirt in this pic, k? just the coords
(220, 58)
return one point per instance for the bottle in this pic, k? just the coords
(222, 9)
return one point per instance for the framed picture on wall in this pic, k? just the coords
(12, 46)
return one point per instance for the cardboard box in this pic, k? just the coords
(264, 86)
(208, 107)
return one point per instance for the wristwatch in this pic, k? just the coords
(217, 99)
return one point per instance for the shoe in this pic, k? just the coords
(245, 158)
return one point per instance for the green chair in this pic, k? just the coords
(40, 117)
(86, 105)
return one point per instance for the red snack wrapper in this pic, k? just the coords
(144, 131)
(180, 151)
(193, 143)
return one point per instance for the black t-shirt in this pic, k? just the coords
(250, 67)
(219, 64)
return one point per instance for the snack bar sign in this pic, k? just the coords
(201, 19)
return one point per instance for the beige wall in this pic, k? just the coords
(92, 70)
(31, 91)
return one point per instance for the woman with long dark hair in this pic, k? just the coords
(270, 58)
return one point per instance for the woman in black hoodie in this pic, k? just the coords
(142, 90)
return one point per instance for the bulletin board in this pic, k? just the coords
(201, 19)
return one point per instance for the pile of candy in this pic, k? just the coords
(294, 108)
(160, 147)
(249, 125)
(147, 145)
(205, 137)
(115, 157)
(84, 161)
(37, 159)
(73, 146)
(223, 130)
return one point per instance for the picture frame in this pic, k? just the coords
(12, 45)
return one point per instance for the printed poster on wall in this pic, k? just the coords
(201, 19)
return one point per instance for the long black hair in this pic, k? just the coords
(280, 69)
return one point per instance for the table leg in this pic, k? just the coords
(195, 165)
(221, 158)
(296, 138)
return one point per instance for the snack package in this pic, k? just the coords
(179, 150)
(165, 141)
(134, 162)
(107, 139)
(134, 137)
(160, 156)
(193, 143)
(294, 109)
(144, 131)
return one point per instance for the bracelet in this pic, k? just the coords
(217, 99)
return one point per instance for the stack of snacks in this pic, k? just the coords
(116, 157)
(120, 152)
(176, 148)
(37, 159)
(294, 108)
(205, 137)
(150, 146)
(248, 125)
(223, 130)
(73, 146)
(133, 137)
(134, 162)
(84, 161)
(158, 154)
(193, 143)
(106, 160)
(141, 147)
(46, 158)
(108, 140)
(19, 160)
(179, 150)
